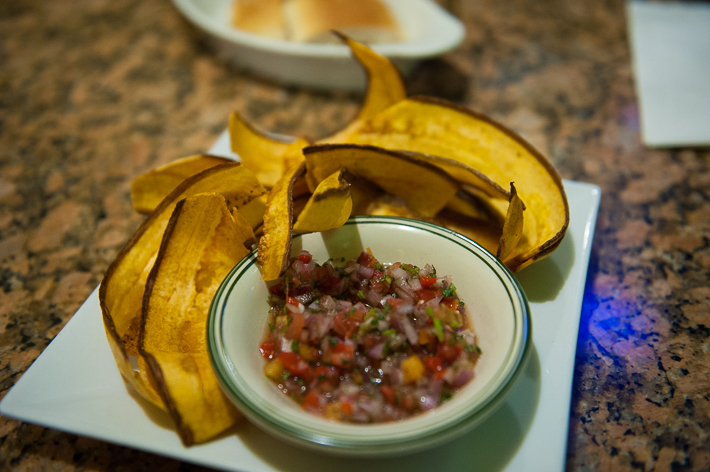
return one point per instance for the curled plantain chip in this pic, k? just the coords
(201, 244)
(329, 207)
(385, 85)
(425, 188)
(123, 286)
(440, 128)
(264, 154)
(275, 244)
(149, 189)
(512, 227)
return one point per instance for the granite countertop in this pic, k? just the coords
(94, 93)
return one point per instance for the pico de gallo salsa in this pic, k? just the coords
(362, 342)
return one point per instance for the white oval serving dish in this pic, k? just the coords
(429, 31)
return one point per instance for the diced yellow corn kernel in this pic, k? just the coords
(357, 377)
(274, 369)
(332, 411)
(306, 352)
(413, 368)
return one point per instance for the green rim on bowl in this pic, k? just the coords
(234, 332)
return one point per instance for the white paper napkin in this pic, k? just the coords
(670, 44)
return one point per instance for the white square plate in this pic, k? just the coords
(74, 386)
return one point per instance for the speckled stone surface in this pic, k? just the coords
(94, 93)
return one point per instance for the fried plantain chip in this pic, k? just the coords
(123, 286)
(149, 189)
(329, 206)
(267, 155)
(385, 85)
(440, 128)
(275, 244)
(425, 188)
(512, 227)
(484, 231)
(201, 244)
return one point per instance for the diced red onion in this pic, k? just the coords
(429, 402)
(373, 297)
(415, 284)
(409, 331)
(285, 345)
(405, 308)
(404, 292)
(399, 274)
(327, 303)
(376, 351)
(397, 376)
(463, 377)
(365, 272)
(343, 305)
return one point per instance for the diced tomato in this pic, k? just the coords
(346, 408)
(451, 302)
(326, 372)
(433, 363)
(296, 365)
(372, 340)
(278, 289)
(379, 283)
(305, 257)
(267, 349)
(395, 303)
(427, 281)
(408, 402)
(342, 354)
(366, 259)
(292, 301)
(389, 393)
(426, 294)
(311, 401)
(330, 286)
(439, 375)
(298, 321)
(448, 354)
(345, 325)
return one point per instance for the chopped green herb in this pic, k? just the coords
(333, 341)
(294, 347)
(412, 270)
(286, 375)
(389, 332)
(429, 312)
(445, 396)
(373, 322)
(439, 329)
(360, 294)
(388, 279)
(272, 327)
(449, 291)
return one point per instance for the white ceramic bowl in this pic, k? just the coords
(497, 309)
(429, 29)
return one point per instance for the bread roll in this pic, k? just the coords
(263, 17)
(368, 21)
